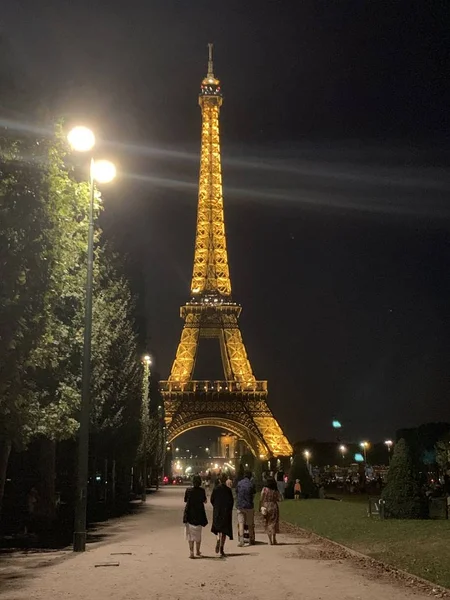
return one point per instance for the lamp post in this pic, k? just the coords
(389, 444)
(364, 446)
(307, 455)
(82, 139)
(147, 364)
(343, 451)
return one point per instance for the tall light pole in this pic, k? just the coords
(364, 446)
(307, 455)
(82, 139)
(145, 421)
(389, 444)
(343, 451)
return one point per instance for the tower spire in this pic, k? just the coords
(210, 61)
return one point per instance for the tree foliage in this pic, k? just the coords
(43, 248)
(402, 492)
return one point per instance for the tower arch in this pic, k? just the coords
(254, 442)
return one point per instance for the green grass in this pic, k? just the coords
(419, 547)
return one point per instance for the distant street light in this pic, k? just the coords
(307, 455)
(389, 444)
(364, 446)
(343, 451)
(82, 139)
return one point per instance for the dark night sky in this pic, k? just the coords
(336, 179)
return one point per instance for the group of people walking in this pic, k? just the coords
(222, 500)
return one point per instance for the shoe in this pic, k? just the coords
(217, 546)
(222, 554)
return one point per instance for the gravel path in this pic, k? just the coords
(153, 564)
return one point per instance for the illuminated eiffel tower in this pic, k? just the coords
(239, 402)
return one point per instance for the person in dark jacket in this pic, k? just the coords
(223, 502)
(195, 515)
(245, 493)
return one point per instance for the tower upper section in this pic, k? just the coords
(211, 273)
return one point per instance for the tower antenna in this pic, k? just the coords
(210, 61)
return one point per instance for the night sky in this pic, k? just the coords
(336, 173)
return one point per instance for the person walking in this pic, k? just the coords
(268, 506)
(223, 502)
(281, 486)
(245, 493)
(195, 515)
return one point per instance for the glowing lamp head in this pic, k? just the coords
(103, 171)
(364, 444)
(307, 454)
(343, 449)
(81, 139)
(147, 359)
(389, 443)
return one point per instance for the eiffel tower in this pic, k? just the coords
(239, 402)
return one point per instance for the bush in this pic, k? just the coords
(299, 470)
(402, 492)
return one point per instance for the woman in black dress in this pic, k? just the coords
(223, 502)
(194, 515)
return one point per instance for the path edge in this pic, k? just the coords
(403, 575)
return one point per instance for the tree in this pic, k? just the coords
(53, 376)
(258, 469)
(299, 470)
(402, 492)
(442, 452)
(25, 268)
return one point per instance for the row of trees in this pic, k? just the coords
(43, 245)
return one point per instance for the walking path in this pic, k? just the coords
(153, 564)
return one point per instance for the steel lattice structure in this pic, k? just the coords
(239, 403)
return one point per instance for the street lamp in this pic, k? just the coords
(343, 451)
(307, 455)
(389, 444)
(82, 139)
(147, 360)
(364, 446)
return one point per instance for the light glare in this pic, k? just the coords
(103, 171)
(81, 139)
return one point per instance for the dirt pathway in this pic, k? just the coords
(153, 564)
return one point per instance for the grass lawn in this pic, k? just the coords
(419, 547)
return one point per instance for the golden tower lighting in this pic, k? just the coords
(238, 403)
